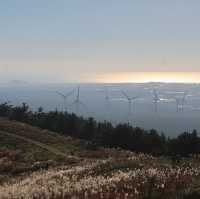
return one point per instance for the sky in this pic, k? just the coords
(100, 41)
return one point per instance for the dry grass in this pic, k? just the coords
(129, 177)
(29, 170)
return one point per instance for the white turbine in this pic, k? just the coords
(156, 99)
(64, 97)
(130, 101)
(107, 100)
(180, 102)
(78, 103)
(184, 101)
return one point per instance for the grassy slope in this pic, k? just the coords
(22, 145)
(34, 144)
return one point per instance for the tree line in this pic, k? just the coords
(104, 133)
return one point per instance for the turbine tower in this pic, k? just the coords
(156, 99)
(107, 99)
(78, 103)
(178, 104)
(130, 101)
(183, 101)
(64, 97)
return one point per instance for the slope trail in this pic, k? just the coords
(37, 143)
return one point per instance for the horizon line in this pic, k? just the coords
(23, 82)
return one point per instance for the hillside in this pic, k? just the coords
(25, 148)
(31, 158)
(26, 137)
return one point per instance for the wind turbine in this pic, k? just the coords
(107, 99)
(130, 101)
(156, 99)
(77, 102)
(64, 97)
(183, 101)
(180, 102)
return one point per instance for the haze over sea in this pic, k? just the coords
(143, 114)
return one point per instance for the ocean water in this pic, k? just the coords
(108, 102)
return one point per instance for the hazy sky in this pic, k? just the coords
(98, 40)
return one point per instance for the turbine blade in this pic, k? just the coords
(118, 99)
(184, 97)
(125, 95)
(166, 100)
(69, 93)
(134, 98)
(78, 93)
(59, 93)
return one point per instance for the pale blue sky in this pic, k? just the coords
(61, 40)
